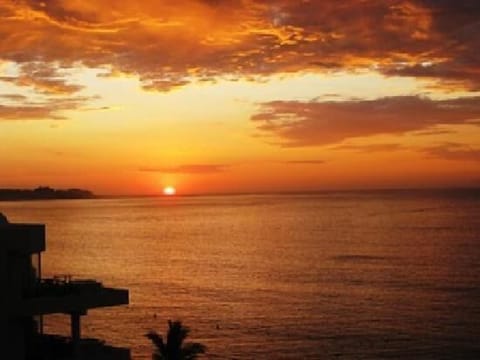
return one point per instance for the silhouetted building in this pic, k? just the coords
(25, 297)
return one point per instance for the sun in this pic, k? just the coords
(169, 191)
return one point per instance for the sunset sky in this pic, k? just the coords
(213, 96)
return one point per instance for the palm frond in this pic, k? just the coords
(157, 340)
(175, 348)
(175, 337)
(191, 350)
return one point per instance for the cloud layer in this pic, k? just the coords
(170, 44)
(299, 123)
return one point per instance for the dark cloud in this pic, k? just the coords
(188, 169)
(452, 56)
(320, 123)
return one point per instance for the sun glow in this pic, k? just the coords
(169, 191)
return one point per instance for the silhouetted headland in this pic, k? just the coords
(44, 193)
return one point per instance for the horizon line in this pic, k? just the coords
(294, 192)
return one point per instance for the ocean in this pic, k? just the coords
(334, 275)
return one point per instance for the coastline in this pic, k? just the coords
(45, 193)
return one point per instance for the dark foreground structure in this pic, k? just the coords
(25, 297)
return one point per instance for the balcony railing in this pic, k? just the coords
(62, 285)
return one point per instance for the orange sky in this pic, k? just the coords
(127, 97)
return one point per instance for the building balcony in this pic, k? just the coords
(68, 296)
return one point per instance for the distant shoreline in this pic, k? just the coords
(45, 193)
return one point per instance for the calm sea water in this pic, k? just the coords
(336, 275)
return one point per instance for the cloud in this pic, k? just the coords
(369, 148)
(169, 45)
(44, 78)
(13, 97)
(299, 123)
(51, 109)
(435, 132)
(188, 169)
(452, 56)
(305, 162)
(453, 151)
(28, 112)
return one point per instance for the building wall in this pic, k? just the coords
(3, 304)
(17, 278)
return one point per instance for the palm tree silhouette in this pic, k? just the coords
(175, 348)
